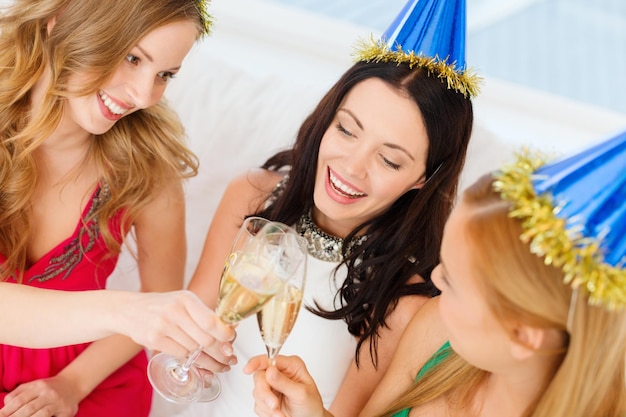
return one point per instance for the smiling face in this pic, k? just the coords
(474, 331)
(138, 82)
(372, 153)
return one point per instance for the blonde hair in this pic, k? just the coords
(589, 380)
(91, 37)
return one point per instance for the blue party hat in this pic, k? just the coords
(427, 34)
(573, 212)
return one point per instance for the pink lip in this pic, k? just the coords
(105, 110)
(334, 194)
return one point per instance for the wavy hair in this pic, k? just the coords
(91, 38)
(589, 379)
(403, 241)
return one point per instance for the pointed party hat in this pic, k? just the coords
(573, 213)
(427, 34)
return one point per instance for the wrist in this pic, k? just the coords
(77, 389)
(113, 306)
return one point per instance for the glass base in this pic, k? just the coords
(212, 388)
(164, 375)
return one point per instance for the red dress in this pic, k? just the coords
(81, 262)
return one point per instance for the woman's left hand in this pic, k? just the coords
(42, 398)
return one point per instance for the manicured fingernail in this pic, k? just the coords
(227, 349)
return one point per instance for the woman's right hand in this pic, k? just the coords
(284, 390)
(178, 322)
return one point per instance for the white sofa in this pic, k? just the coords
(243, 92)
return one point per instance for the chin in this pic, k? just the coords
(101, 129)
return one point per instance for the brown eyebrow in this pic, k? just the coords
(387, 144)
(356, 119)
(149, 58)
(143, 51)
(400, 148)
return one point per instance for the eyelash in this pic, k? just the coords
(390, 164)
(387, 162)
(132, 59)
(165, 75)
(343, 130)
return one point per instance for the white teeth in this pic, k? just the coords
(338, 185)
(113, 108)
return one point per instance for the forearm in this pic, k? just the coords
(354, 392)
(97, 362)
(39, 318)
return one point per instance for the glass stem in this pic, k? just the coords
(271, 354)
(182, 371)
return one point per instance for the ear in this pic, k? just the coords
(526, 341)
(51, 22)
(419, 183)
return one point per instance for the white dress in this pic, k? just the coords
(326, 347)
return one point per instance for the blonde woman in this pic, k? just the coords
(508, 336)
(89, 151)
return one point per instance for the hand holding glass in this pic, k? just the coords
(246, 283)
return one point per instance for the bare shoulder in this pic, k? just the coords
(421, 338)
(253, 187)
(425, 331)
(422, 331)
(245, 194)
(168, 200)
(407, 308)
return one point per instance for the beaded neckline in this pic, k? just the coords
(321, 245)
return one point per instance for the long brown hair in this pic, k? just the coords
(404, 241)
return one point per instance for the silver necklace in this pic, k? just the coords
(321, 245)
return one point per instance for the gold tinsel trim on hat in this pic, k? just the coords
(578, 256)
(464, 82)
(207, 19)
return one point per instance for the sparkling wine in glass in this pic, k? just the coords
(248, 281)
(246, 284)
(279, 314)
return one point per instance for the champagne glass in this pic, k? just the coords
(279, 314)
(248, 281)
(253, 227)
(286, 249)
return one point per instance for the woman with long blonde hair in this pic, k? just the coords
(513, 333)
(89, 152)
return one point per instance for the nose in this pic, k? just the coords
(144, 92)
(356, 162)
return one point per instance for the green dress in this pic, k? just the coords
(434, 360)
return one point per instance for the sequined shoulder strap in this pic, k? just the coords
(279, 188)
